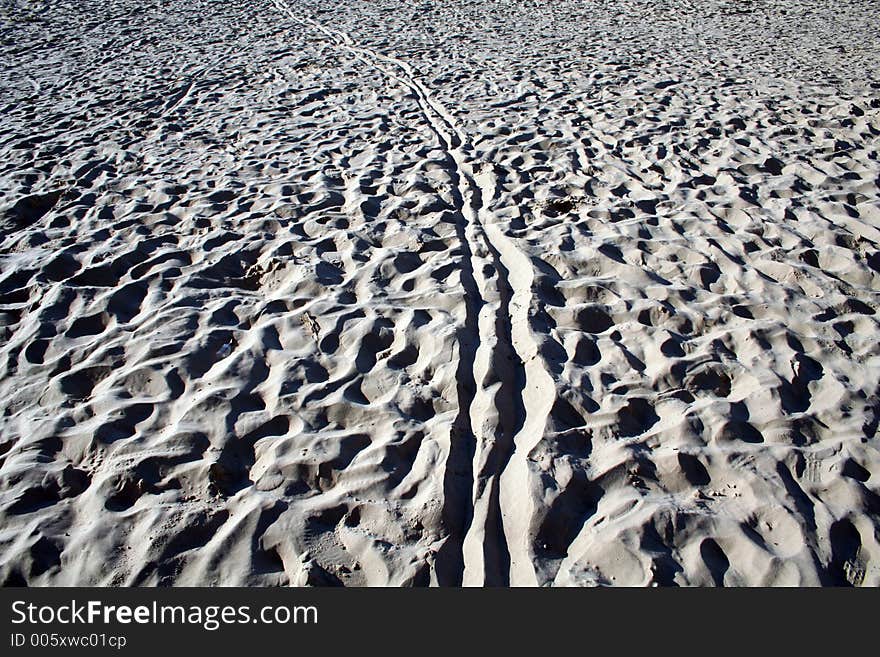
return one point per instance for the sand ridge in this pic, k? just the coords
(380, 293)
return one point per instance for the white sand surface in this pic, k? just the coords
(439, 293)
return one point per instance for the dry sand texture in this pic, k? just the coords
(465, 292)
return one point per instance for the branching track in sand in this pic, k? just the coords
(505, 393)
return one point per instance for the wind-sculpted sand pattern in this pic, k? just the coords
(422, 293)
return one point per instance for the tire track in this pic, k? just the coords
(505, 393)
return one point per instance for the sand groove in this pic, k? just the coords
(508, 381)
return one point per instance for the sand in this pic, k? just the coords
(439, 293)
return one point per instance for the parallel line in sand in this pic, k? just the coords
(494, 550)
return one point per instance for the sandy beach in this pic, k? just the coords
(461, 293)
